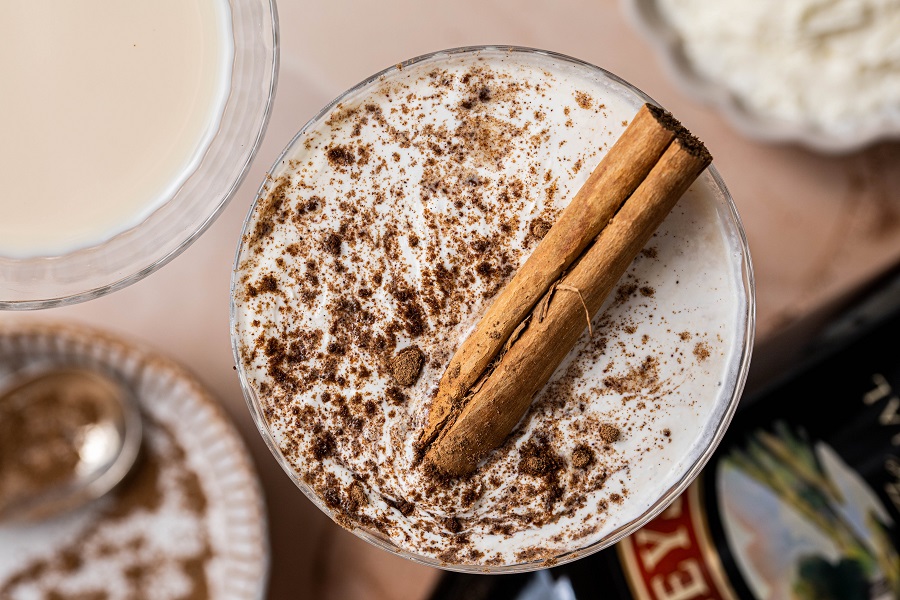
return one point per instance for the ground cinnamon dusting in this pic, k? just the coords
(539, 460)
(418, 222)
(702, 351)
(118, 541)
(642, 377)
(609, 433)
(39, 446)
(584, 100)
(582, 456)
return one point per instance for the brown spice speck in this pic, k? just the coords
(333, 244)
(540, 228)
(406, 365)
(452, 524)
(701, 351)
(643, 376)
(582, 456)
(584, 100)
(538, 459)
(340, 156)
(405, 507)
(609, 433)
(323, 446)
(268, 283)
(357, 495)
(395, 395)
(624, 292)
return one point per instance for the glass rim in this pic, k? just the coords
(665, 499)
(21, 289)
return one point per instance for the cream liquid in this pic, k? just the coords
(106, 108)
(405, 201)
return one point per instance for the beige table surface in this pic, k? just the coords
(817, 226)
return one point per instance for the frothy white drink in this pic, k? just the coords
(390, 223)
(106, 109)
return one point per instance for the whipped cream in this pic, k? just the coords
(390, 222)
(833, 65)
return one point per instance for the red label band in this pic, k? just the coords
(672, 557)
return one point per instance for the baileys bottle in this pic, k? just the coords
(800, 502)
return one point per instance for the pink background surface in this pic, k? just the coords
(818, 226)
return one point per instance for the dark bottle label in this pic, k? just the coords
(801, 500)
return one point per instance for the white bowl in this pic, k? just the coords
(726, 211)
(86, 273)
(652, 23)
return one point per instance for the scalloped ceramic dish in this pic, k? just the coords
(188, 521)
(650, 21)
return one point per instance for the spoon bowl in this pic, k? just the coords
(67, 436)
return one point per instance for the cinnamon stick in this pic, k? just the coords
(619, 173)
(491, 413)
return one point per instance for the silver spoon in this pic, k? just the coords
(67, 437)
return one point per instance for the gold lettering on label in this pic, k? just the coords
(892, 466)
(674, 510)
(889, 415)
(882, 390)
(686, 583)
(653, 546)
(893, 491)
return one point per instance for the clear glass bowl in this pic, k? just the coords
(712, 434)
(650, 19)
(47, 281)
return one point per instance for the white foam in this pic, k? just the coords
(696, 286)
